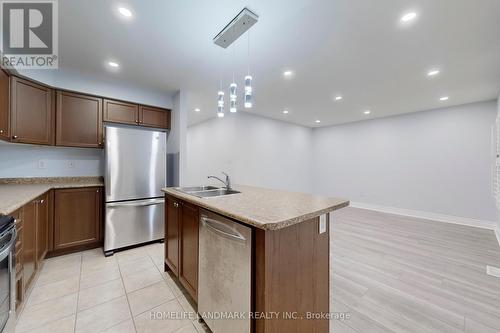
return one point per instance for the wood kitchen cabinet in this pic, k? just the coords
(77, 217)
(78, 120)
(32, 112)
(121, 112)
(172, 240)
(181, 242)
(4, 106)
(133, 114)
(188, 274)
(42, 227)
(29, 242)
(154, 117)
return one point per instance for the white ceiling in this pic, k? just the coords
(356, 48)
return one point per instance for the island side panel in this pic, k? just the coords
(292, 276)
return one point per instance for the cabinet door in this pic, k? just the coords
(154, 117)
(121, 112)
(172, 234)
(4, 106)
(77, 219)
(29, 242)
(32, 112)
(188, 274)
(78, 120)
(42, 227)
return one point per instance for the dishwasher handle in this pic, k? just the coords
(222, 229)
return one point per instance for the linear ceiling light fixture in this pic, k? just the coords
(227, 36)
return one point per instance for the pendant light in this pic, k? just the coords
(248, 79)
(232, 89)
(220, 104)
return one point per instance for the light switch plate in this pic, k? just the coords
(493, 271)
(322, 224)
(42, 164)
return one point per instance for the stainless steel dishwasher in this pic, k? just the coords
(224, 275)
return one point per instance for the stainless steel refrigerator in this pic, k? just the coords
(135, 173)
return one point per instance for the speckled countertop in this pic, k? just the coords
(16, 192)
(265, 208)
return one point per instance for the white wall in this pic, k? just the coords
(17, 160)
(436, 161)
(253, 150)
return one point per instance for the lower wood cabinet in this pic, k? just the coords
(78, 217)
(57, 222)
(29, 243)
(181, 242)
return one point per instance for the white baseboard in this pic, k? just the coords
(484, 224)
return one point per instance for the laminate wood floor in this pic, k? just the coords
(400, 274)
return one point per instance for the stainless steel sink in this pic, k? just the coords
(197, 188)
(206, 191)
(214, 193)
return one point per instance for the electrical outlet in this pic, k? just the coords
(71, 164)
(42, 164)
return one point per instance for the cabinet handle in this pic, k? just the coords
(42, 201)
(1, 131)
(15, 137)
(176, 205)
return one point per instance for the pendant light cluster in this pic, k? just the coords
(237, 27)
(233, 92)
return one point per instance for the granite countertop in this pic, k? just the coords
(265, 208)
(16, 192)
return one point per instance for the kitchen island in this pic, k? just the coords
(288, 289)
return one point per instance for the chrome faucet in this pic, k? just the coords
(227, 183)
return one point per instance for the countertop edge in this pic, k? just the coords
(49, 186)
(264, 226)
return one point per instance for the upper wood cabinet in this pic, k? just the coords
(154, 117)
(133, 114)
(121, 112)
(78, 120)
(77, 220)
(32, 112)
(4, 106)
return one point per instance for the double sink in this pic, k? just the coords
(206, 191)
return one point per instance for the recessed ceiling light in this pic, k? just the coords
(125, 11)
(338, 98)
(444, 98)
(318, 121)
(408, 17)
(285, 111)
(287, 73)
(113, 64)
(367, 112)
(197, 110)
(433, 72)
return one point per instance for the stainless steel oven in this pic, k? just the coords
(7, 290)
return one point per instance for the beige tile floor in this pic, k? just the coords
(87, 292)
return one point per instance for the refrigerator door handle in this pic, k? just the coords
(138, 203)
